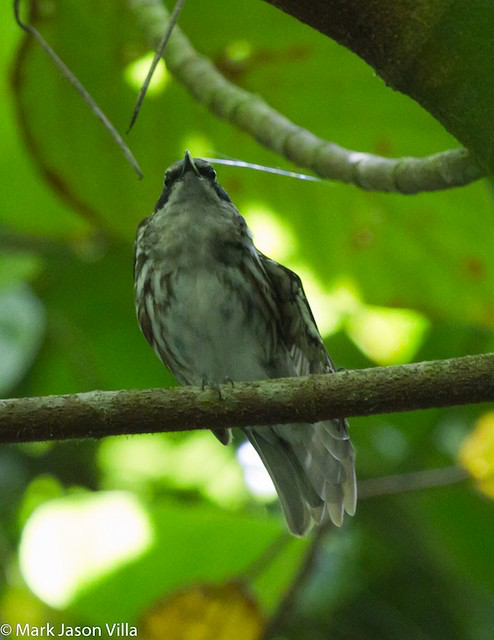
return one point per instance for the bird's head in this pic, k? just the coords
(191, 179)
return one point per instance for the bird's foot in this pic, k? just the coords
(212, 385)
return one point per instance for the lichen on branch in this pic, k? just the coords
(362, 392)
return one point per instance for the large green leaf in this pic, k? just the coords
(192, 544)
(430, 252)
(26, 205)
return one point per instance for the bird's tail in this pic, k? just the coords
(312, 468)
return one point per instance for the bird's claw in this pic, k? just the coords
(212, 385)
(216, 386)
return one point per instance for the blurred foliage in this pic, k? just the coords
(477, 453)
(199, 612)
(390, 278)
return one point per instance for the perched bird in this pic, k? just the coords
(214, 308)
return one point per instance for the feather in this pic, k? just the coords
(323, 450)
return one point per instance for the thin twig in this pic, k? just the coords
(260, 167)
(266, 558)
(70, 77)
(413, 481)
(285, 609)
(157, 57)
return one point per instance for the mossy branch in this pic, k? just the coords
(361, 392)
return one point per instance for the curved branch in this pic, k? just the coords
(361, 392)
(276, 132)
(430, 50)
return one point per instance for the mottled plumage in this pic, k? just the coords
(214, 308)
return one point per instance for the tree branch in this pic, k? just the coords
(361, 392)
(431, 50)
(270, 128)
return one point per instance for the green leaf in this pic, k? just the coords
(109, 544)
(430, 252)
(27, 205)
(458, 524)
(192, 544)
(17, 267)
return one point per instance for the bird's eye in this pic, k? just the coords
(210, 174)
(168, 179)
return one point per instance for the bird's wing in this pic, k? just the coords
(322, 453)
(299, 328)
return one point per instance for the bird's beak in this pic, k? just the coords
(189, 165)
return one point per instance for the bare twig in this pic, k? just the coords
(87, 97)
(96, 414)
(266, 558)
(413, 481)
(285, 609)
(157, 57)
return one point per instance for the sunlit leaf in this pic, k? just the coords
(70, 541)
(42, 489)
(136, 73)
(476, 453)
(195, 462)
(387, 336)
(194, 543)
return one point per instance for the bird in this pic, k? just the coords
(214, 308)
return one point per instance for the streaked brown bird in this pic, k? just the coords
(214, 308)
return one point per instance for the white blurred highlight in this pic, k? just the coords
(69, 542)
(255, 475)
